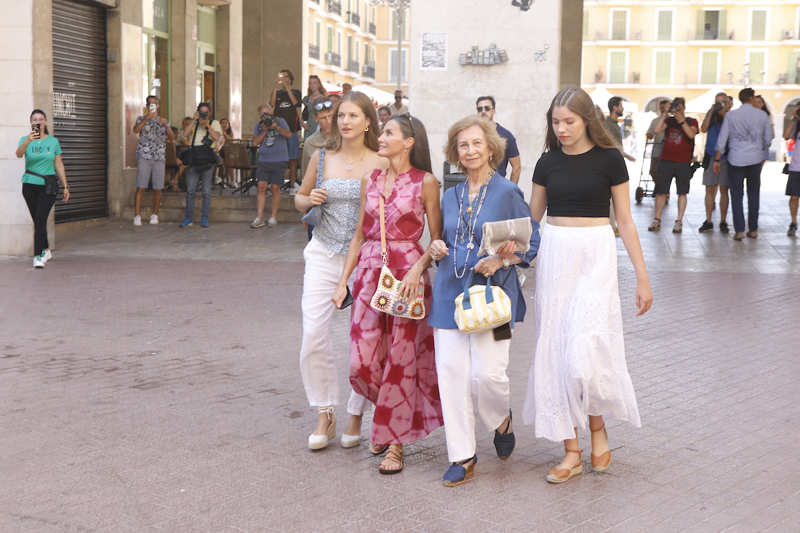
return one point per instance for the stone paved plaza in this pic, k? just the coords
(149, 382)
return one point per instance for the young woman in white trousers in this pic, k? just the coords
(333, 183)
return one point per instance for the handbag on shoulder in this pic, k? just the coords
(481, 308)
(387, 296)
(313, 215)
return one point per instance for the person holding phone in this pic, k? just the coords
(43, 169)
(338, 168)
(286, 102)
(151, 156)
(392, 360)
(202, 131)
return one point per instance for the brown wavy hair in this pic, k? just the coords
(579, 102)
(365, 104)
(497, 144)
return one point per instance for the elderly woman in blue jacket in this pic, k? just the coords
(480, 358)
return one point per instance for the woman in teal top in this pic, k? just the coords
(42, 159)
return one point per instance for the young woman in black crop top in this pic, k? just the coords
(579, 370)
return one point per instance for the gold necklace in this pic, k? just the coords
(348, 165)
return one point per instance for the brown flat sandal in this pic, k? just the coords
(602, 462)
(562, 475)
(393, 457)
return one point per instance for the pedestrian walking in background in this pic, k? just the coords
(151, 156)
(271, 134)
(391, 357)
(43, 170)
(746, 133)
(333, 182)
(657, 138)
(384, 114)
(712, 180)
(286, 102)
(792, 133)
(676, 160)
(477, 362)
(314, 91)
(579, 369)
(486, 108)
(322, 110)
(204, 134)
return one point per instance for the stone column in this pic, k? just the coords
(272, 40)
(523, 86)
(183, 41)
(229, 64)
(571, 43)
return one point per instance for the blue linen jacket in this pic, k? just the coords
(504, 200)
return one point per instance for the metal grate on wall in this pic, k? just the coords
(79, 106)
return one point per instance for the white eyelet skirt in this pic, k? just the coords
(578, 367)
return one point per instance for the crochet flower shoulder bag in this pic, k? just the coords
(387, 296)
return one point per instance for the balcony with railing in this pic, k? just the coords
(354, 18)
(352, 66)
(332, 58)
(335, 7)
(368, 71)
(313, 51)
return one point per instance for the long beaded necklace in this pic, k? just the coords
(468, 233)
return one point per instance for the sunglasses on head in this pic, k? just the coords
(327, 104)
(484, 108)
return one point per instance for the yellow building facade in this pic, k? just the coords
(353, 41)
(648, 49)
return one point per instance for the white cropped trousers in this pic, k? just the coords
(467, 366)
(317, 361)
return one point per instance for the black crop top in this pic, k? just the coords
(580, 185)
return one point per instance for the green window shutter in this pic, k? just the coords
(759, 24)
(618, 29)
(792, 72)
(701, 19)
(665, 25)
(708, 74)
(663, 67)
(585, 24)
(723, 24)
(757, 61)
(617, 68)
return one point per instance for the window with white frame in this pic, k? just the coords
(757, 65)
(758, 24)
(709, 67)
(793, 70)
(619, 24)
(318, 33)
(398, 66)
(339, 43)
(664, 25)
(617, 66)
(662, 65)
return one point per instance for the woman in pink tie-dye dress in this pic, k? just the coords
(392, 359)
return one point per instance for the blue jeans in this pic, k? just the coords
(192, 175)
(736, 177)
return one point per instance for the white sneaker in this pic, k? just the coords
(257, 223)
(272, 222)
(154, 219)
(294, 189)
(38, 261)
(48, 255)
(137, 220)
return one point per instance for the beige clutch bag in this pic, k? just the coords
(495, 234)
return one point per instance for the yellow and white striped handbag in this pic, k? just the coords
(481, 308)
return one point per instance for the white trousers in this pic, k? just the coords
(317, 361)
(467, 366)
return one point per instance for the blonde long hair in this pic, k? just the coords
(579, 102)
